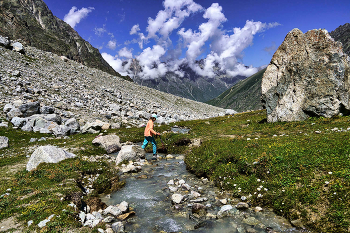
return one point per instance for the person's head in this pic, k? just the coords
(154, 117)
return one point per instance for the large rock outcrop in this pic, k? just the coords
(307, 76)
(33, 22)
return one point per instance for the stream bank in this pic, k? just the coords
(167, 198)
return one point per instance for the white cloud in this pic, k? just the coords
(112, 44)
(115, 62)
(225, 49)
(100, 31)
(122, 16)
(124, 52)
(142, 40)
(171, 17)
(134, 29)
(225, 46)
(150, 62)
(74, 15)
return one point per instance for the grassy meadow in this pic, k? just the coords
(300, 169)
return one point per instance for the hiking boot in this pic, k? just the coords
(154, 157)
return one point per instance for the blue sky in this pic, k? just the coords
(229, 32)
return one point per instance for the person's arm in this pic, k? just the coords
(153, 132)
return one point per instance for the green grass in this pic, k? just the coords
(299, 172)
(46, 190)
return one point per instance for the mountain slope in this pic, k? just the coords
(342, 34)
(88, 93)
(33, 22)
(243, 96)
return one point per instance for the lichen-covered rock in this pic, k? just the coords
(307, 76)
(47, 154)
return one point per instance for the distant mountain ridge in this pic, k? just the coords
(33, 22)
(243, 96)
(342, 34)
(191, 85)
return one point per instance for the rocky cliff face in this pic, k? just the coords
(307, 76)
(342, 34)
(33, 23)
(191, 85)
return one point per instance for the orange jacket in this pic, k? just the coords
(149, 129)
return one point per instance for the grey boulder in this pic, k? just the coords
(47, 154)
(60, 130)
(30, 109)
(130, 152)
(92, 127)
(110, 143)
(14, 112)
(18, 47)
(4, 41)
(73, 125)
(18, 121)
(309, 75)
(8, 107)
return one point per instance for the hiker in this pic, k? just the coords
(149, 133)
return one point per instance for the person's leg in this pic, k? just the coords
(154, 144)
(145, 142)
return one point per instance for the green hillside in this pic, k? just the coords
(243, 96)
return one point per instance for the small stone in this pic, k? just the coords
(4, 142)
(242, 206)
(171, 182)
(118, 227)
(177, 198)
(223, 201)
(173, 189)
(297, 223)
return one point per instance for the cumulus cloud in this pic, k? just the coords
(124, 52)
(149, 59)
(112, 44)
(100, 31)
(219, 47)
(134, 29)
(115, 62)
(171, 17)
(225, 48)
(74, 15)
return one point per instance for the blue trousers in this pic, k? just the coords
(151, 140)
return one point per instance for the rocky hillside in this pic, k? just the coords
(87, 93)
(342, 34)
(191, 85)
(243, 96)
(33, 23)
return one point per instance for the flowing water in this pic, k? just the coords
(148, 195)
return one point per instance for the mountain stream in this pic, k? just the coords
(150, 195)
